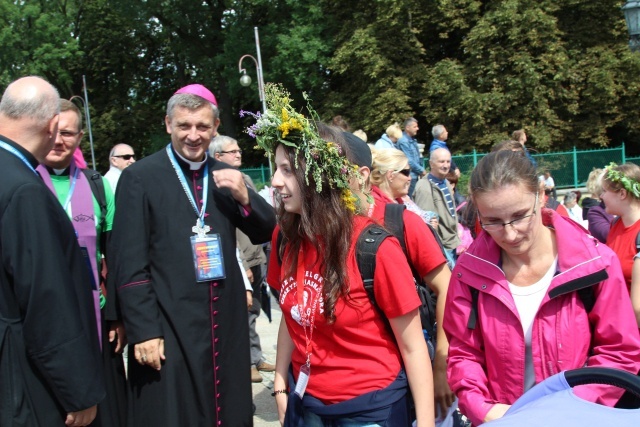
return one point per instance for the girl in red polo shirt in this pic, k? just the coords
(338, 360)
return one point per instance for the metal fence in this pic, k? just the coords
(260, 176)
(569, 169)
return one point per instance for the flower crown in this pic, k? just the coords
(631, 185)
(281, 124)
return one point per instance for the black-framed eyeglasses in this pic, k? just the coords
(126, 156)
(67, 134)
(516, 223)
(232, 152)
(405, 172)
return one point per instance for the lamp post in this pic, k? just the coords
(631, 11)
(245, 79)
(85, 104)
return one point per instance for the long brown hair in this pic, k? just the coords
(326, 223)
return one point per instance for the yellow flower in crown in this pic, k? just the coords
(325, 161)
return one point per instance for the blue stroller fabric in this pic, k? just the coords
(553, 403)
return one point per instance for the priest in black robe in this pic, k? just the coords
(188, 335)
(50, 369)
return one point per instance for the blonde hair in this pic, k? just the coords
(394, 131)
(385, 160)
(594, 182)
(360, 134)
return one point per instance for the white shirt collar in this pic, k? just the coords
(194, 166)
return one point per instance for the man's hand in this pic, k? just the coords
(232, 179)
(81, 418)
(249, 275)
(150, 353)
(116, 331)
(249, 300)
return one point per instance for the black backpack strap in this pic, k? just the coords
(394, 222)
(367, 246)
(638, 242)
(97, 188)
(473, 314)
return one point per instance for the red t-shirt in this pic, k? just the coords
(422, 248)
(623, 242)
(356, 354)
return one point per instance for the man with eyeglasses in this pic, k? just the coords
(87, 199)
(121, 156)
(225, 149)
(434, 193)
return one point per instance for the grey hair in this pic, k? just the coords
(219, 143)
(570, 197)
(190, 102)
(437, 130)
(408, 122)
(41, 106)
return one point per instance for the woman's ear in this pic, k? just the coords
(623, 194)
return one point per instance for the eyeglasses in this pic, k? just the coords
(67, 134)
(232, 152)
(516, 223)
(126, 156)
(405, 172)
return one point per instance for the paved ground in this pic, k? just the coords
(266, 414)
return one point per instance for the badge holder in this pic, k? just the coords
(207, 257)
(303, 379)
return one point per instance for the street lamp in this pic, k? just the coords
(631, 11)
(85, 104)
(245, 79)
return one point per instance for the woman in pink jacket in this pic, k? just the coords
(514, 315)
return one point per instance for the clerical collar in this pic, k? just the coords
(194, 166)
(57, 172)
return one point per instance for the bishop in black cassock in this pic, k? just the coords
(204, 379)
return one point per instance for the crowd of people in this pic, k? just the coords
(131, 299)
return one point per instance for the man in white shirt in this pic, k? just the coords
(121, 156)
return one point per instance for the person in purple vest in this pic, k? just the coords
(74, 189)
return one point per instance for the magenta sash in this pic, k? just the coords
(84, 223)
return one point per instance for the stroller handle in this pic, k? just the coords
(609, 376)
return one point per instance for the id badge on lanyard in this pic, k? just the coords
(207, 257)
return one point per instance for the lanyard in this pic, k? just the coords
(72, 188)
(304, 319)
(18, 154)
(185, 187)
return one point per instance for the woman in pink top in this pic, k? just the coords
(514, 315)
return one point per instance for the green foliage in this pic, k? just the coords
(560, 69)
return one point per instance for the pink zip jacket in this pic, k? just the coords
(486, 365)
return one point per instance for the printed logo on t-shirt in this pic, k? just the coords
(311, 297)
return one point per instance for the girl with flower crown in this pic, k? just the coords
(621, 196)
(338, 362)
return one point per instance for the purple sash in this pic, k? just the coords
(84, 223)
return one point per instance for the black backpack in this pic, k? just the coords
(366, 247)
